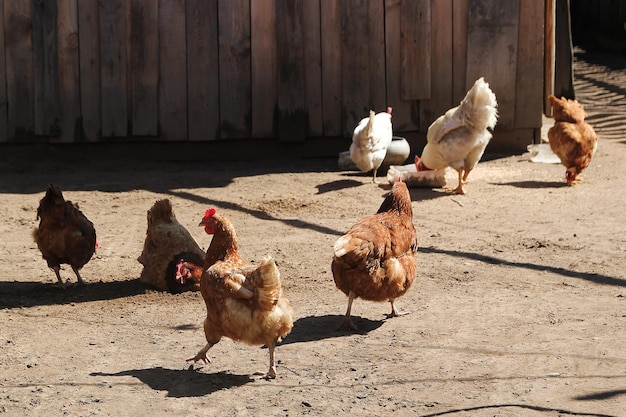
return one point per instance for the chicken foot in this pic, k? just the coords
(201, 356)
(462, 181)
(347, 320)
(394, 311)
(271, 373)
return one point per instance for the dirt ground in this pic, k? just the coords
(519, 307)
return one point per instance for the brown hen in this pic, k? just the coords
(571, 138)
(244, 301)
(375, 259)
(65, 235)
(167, 242)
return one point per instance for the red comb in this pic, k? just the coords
(389, 110)
(210, 212)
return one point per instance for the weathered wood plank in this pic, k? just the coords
(355, 63)
(45, 59)
(311, 27)
(564, 58)
(173, 70)
(89, 62)
(69, 75)
(3, 88)
(235, 63)
(376, 44)
(264, 68)
(549, 55)
(492, 29)
(529, 85)
(202, 70)
(415, 32)
(460, 10)
(291, 115)
(405, 113)
(144, 59)
(113, 37)
(19, 70)
(331, 67)
(441, 58)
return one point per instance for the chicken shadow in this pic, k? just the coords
(31, 294)
(417, 193)
(338, 185)
(541, 409)
(603, 395)
(534, 184)
(181, 383)
(314, 328)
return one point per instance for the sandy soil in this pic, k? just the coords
(519, 307)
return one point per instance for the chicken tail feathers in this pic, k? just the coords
(53, 196)
(160, 212)
(479, 107)
(267, 284)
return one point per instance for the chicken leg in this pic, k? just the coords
(80, 279)
(271, 374)
(462, 180)
(56, 270)
(347, 320)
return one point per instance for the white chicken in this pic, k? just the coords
(370, 141)
(459, 137)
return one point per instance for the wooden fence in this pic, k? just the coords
(198, 70)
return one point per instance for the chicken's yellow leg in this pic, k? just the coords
(347, 320)
(271, 374)
(459, 189)
(394, 311)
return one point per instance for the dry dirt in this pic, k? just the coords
(519, 307)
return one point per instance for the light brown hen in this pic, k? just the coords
(375, 259)
(571, 138)
(244, 301)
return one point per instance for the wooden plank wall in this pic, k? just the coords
(3, 76)
(292, 70)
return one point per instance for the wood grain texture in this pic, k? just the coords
(415, 35)
(311, 27)
(492, 51)
(172, 70)
(291, 116)
(3, 88)
(235, 63)
(459, 49)
(69, 73)
(529, 68)
(45, 60)
(405, 113)
(144, 62)
(18, 31)
(355, 62)
(441, 52)
(202, 70)
(331, 67)
(264, 64)
(113, 65)
(89, 66)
